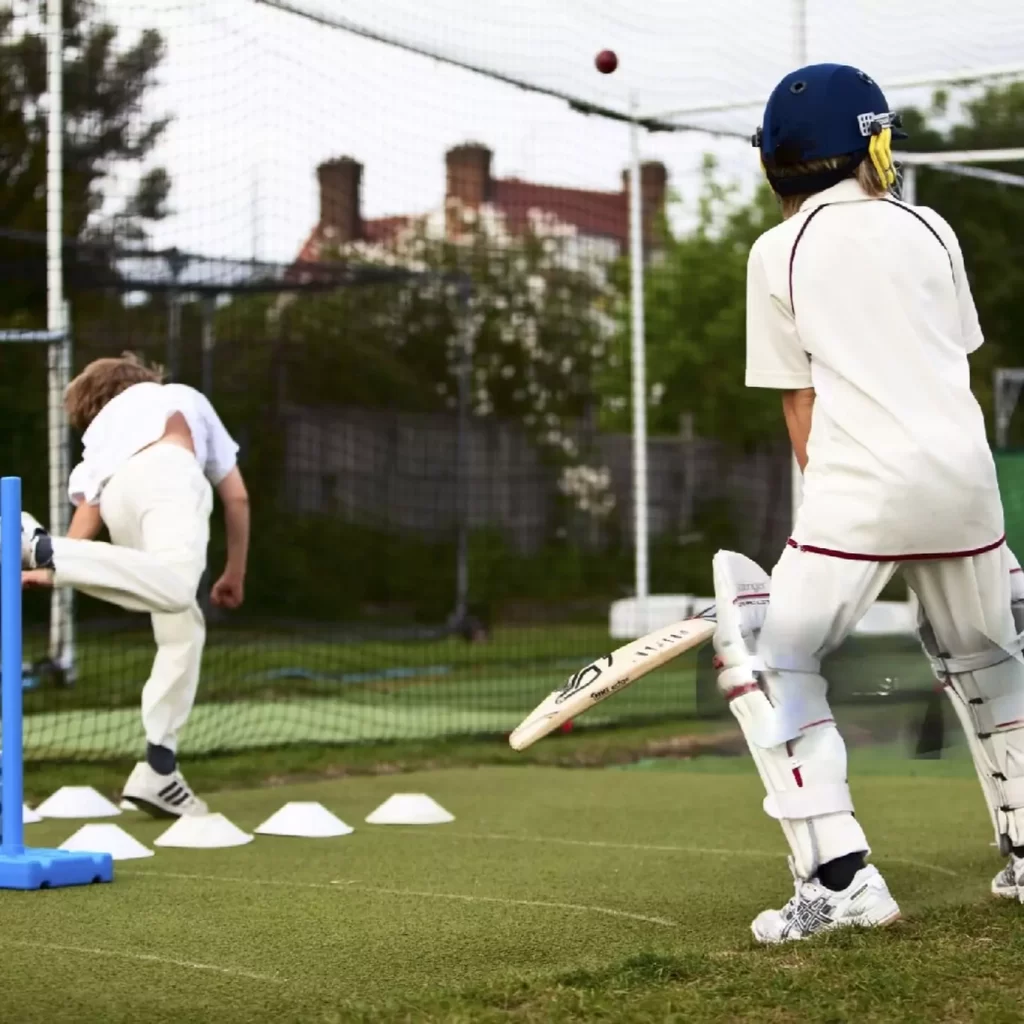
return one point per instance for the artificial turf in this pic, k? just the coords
(273, 689)
(556, 895)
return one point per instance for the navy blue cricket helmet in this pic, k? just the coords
(824, 112)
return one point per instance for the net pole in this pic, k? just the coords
(462, 456)
(61, 647)
(800, 31)
(796, 477)
(908, 188)
(209, 343)
(636, 273)
(908, 193)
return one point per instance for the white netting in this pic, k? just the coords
(261, 96)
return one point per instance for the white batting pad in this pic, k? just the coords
(28, 816)
(77, 802)
(203, 832)
(308, 820)
(110, 839)
(786, 721)
(410, 809)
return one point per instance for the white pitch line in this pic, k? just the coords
(152, 958)
(357, 886)
(924, 865)
(226, 878)
(598, 843)
(710, 851)
(582, 907)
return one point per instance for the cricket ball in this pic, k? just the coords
(606, 62)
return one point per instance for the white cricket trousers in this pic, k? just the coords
(157, 509)
(816, 600)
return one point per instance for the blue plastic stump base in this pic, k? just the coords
(53, 869)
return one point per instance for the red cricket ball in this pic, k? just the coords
(606, 62)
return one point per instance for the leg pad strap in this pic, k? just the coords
(809, 802)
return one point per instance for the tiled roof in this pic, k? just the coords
(600, 214)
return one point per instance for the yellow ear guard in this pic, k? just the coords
(880, 151)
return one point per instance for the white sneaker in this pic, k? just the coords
(36, 545)
(162, 795)
(1009, 883)
(865, 903)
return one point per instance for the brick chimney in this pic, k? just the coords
(653, 187)
(469, 173)
(341, 216)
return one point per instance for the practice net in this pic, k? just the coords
(404, 285)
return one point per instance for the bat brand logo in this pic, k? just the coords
(609, 690)
(583, 679)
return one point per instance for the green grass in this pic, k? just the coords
(112, 665)
(271, 689)
(555, 896)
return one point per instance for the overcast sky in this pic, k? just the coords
(260, 97)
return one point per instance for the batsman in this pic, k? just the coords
(860, 313)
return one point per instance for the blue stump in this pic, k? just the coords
(21, 867)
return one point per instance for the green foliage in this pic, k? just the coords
(105, 84)
(695, 289)
(695, 324)
(988, 218)
(538, 322)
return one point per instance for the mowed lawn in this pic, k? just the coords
(555, 895)
(275, 688)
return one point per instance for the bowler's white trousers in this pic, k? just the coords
(157, 509)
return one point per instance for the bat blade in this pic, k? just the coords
(608, 675)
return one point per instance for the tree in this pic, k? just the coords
(988, 217)
(104, 88)
(540, 315)
(105, 84)
(695, 291)
(695, 324)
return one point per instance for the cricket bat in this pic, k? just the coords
(615, 671)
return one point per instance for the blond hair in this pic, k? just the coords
(102, 380)
(864, 174)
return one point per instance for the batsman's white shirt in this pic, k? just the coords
(867, 301)
(136, 418)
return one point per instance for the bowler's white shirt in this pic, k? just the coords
(880, 323)
(136, 418)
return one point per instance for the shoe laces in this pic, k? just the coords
(800, 895)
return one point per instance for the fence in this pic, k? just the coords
(349, 630)
(431, 384)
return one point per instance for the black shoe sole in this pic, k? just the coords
(153, 810)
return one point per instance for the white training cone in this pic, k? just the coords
(127, 805)
(310, 820)
(110, 839)
(77, 802)
(203, 832)
(410, 809)
(28, 816)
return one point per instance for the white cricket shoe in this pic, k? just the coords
(1009, 883)
(163, 796)
(36, 545)
(865, 903)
